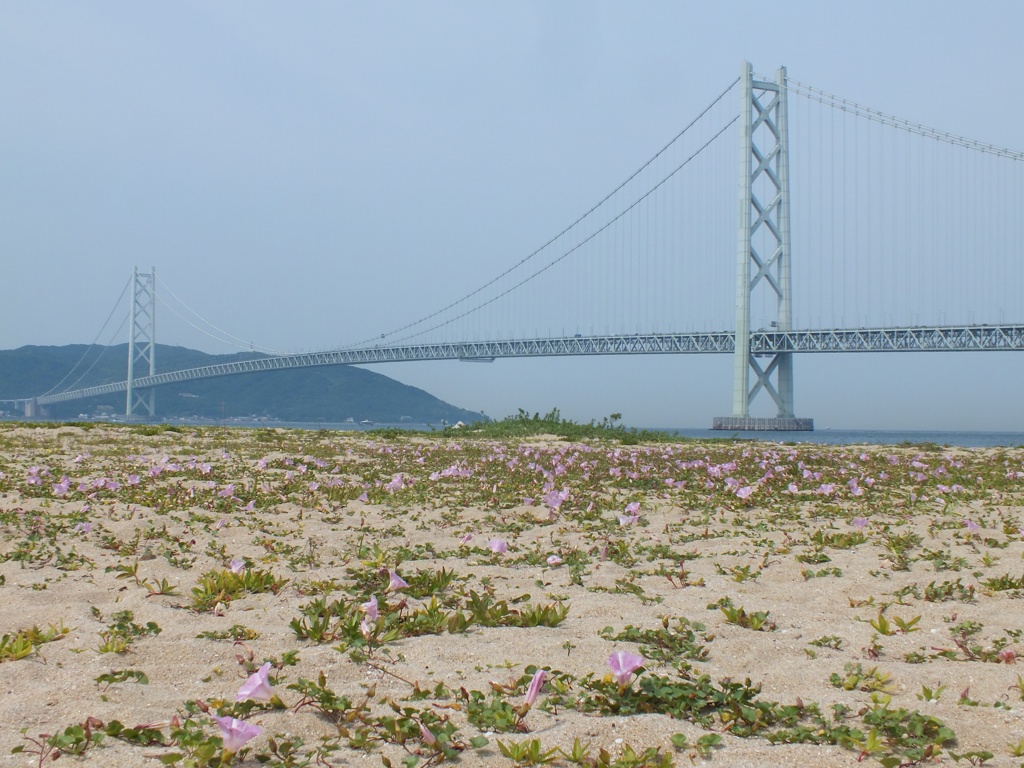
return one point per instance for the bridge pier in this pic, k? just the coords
(762, 424)
(763, 244)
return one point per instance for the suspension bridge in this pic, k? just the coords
(853, 230)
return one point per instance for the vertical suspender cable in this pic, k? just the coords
(868, 270)
(832, 217)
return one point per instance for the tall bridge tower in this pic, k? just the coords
(763, 252)
(142, 345)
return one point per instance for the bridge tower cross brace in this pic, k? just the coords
(142, 344)
(763, 219)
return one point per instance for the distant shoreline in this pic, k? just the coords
(958, 438)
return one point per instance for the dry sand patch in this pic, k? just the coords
(110, 533)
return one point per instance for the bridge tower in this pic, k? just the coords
(763, 249)
(142, 344)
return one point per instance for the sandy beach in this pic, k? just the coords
(774, 605)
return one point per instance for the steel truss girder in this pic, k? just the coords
(968, 338)
(971, 338)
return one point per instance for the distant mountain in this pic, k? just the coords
(325, 394)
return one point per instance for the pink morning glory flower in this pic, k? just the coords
(370, 608)
(859, 522)
(498, 546)
(553, 499)
(554, 561)
(972, 527)
(428, 738)
(396, 582)
(236, 732)
(257, 686)
(236, 565)
(624, 664)
(627, 519)
(61, 488)
(534, 690)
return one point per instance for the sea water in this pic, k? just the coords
(866, 437)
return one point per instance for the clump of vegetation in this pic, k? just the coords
(26, 642)
(522, 424)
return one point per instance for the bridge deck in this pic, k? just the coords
(970, 338)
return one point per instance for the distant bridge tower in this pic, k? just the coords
(763, 221)
(142, 344)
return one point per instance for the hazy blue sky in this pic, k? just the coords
(304, 174)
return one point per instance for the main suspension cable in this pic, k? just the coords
(575, 223)
(583, 242)
(99, 357)
(234, 340)
(877, 116)
(93, 344)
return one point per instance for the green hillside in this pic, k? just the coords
(328, 394)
